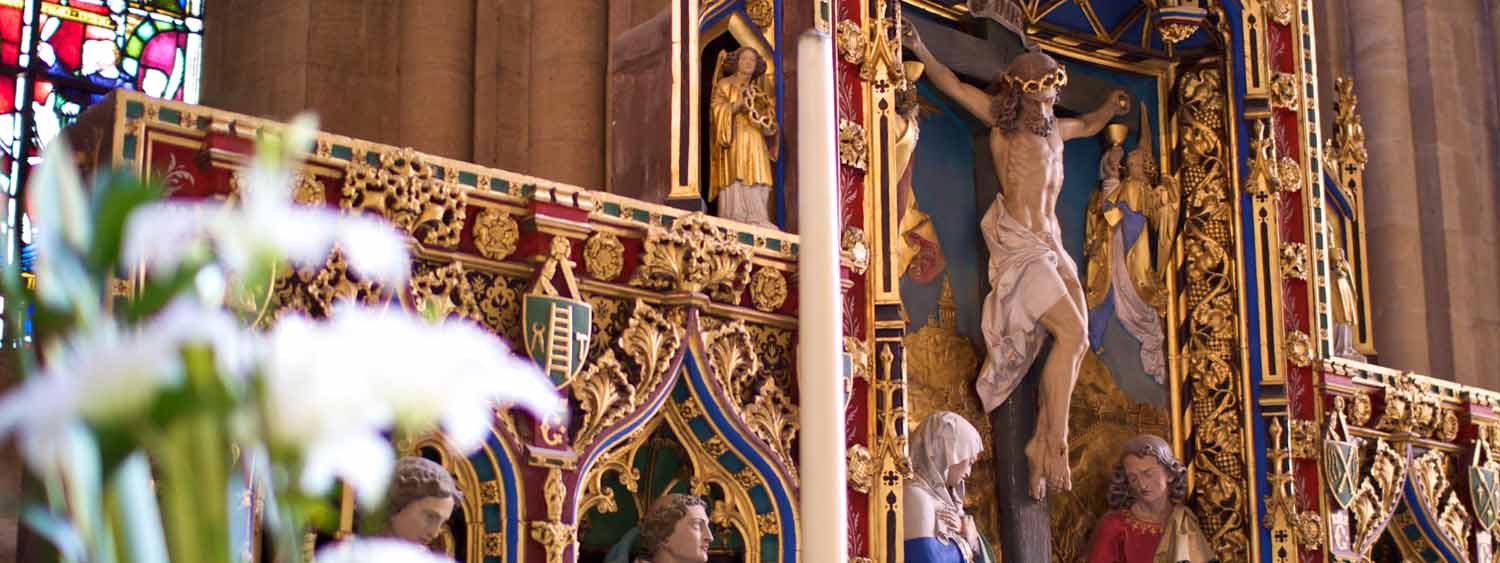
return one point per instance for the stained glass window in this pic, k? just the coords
(57, 58)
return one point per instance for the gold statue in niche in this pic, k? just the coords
(744, 138)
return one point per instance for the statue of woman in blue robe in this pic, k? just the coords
(937, 530)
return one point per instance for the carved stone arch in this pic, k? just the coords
(1431, 523)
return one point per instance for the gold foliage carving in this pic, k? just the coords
(1360, 413)
(756, 395)
(1209, 341)
(1282, 515)
(445, 290)
(651, 339)
(597, 496)
(554, 537)
(1377, 496)
(761, 12)
(1289, 174)
(499, 301)
(554, 492)
(604, 256)
(1263, 177)
(851, 144)
(861, 467)
(852, 246)
(768, 289)
(1434, 484)
(1305, 439)
(1408, 408)
(494, 544)
(1281, 11)
(1284, 91)
(882, 60)
(605, 395)
(1347, 147)
(851, 42)
(605, 391)
(1294, 260)
(404, 190)
(314, 291)
(1299, 348)
(694, 256)
(307, 189)
(489, 492)
(495, 234)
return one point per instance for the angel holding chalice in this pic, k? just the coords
(743, 138)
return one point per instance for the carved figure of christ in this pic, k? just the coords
(1034, 282)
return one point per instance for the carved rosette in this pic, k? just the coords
(496, 234)
(404, 190)
(851, 42)
(1289, 174)
(852, 144)
(861, 467)
(694, 256)
(1281, 11)
(1294, 260)
(604, 256)
(1284, 92)
(761, 12)
(768, 289)
(852, 247)
(1299, 348)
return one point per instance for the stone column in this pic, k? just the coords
(1448, 83)
(1397, 285)
(569, 52)
(436, 73)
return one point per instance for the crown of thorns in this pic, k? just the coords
(1055, 79)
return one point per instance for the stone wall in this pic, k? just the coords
(1426, 75)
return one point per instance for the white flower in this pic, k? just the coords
(332, 387)
(108, 374)
(378, 551)
(264, 224)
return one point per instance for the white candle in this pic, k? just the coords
(822, 504)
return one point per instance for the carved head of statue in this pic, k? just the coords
(1147, 471)
(943, 450)
(1024, 94)
(746, 62)
(421, 498)
(675, 530)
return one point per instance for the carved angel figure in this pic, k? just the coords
(743, 138)
(1125, 274)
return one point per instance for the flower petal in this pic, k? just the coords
(378, 550)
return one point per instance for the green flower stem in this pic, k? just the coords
(193, 477)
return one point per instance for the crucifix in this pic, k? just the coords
(1015, 398)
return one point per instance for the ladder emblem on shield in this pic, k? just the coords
(555, 324)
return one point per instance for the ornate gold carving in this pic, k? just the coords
(489, 492)
(854, 248)
(851, 144)
(1434, 486)
(882, 65)
(554, 537)
(554, 492)
(1289, 174)
(1281, 505)
(314, 291)
(1294, 260)
(759, 398)
(1409, 408)
(1281, 11)
(403, 189)
(495, 234)
(688, 410)
(1305, 439)
(859, 355)
(605, 391)
(499, 303)
(767, 523)
(851, 42)
(760, 12)
(595, 495)
(1377, 496)
(861, 467)
(1360, 414)
(767, 289)
(1209, 341)
(445, 291)
(1299, 348)
(604, 256)
(694, 256)
(308, 190)
(1448, 429)
(1347, 146)
(1284, 91)
(715, 446)
(1263, 178)
(494, 544)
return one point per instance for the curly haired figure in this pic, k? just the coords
(1035, 288)
(1147, 522)
(421, 498)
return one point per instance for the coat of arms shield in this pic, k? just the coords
(1341, 470)
(556, 331)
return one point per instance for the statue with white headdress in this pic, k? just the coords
(937, 529)
(1132, 222)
